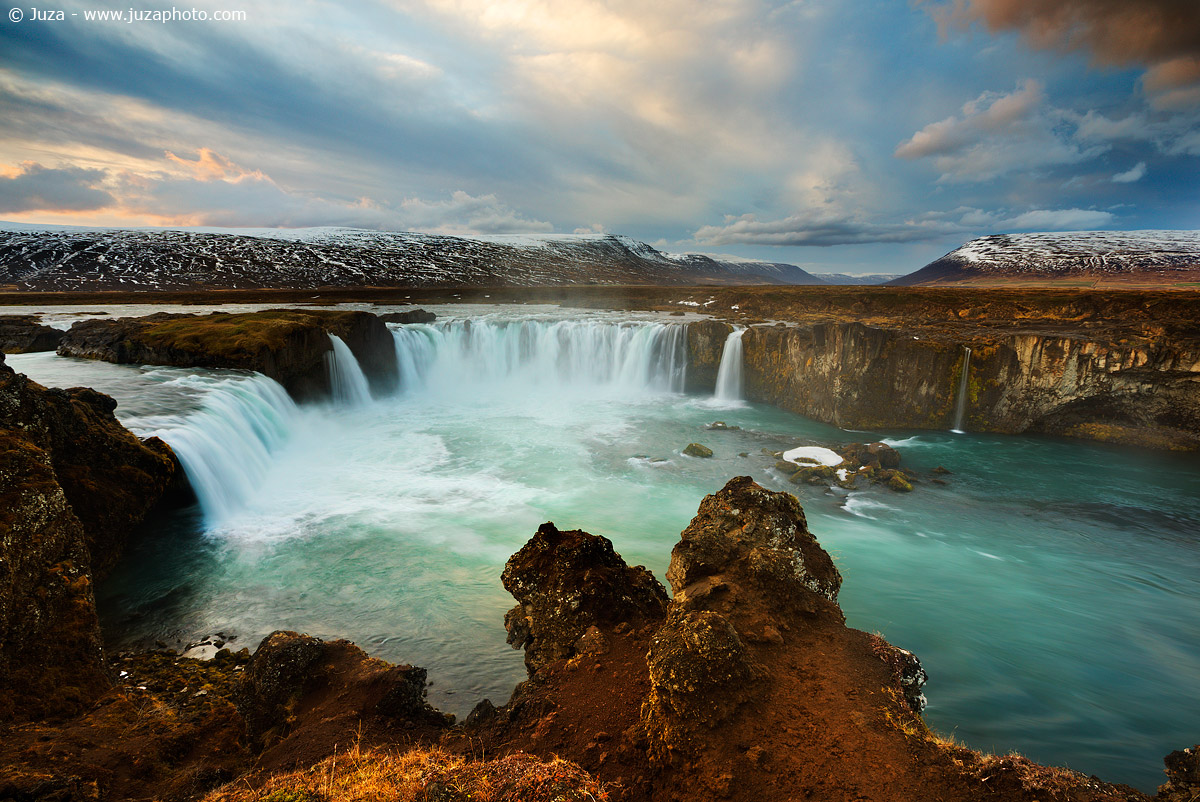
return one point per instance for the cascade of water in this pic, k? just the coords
(226, 446)
(346, 377)
(632, 357)
(416, 348)
(729, 372)
(960, 405)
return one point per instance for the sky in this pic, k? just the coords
(839, 135)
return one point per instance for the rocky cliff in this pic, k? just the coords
(1139, 390)
(750, 687)
(746, 685)
(289, 345)
(73, 485)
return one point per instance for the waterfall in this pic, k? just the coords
(729, 372)
(346, 377)
(226, 445)
(628, 357)
(960, 406)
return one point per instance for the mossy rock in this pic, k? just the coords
(697, 450)
(899, 483)
(814, 475)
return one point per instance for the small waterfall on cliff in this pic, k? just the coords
(226, 446)
(960, 405)
(564, 354)
(729, 372)
(346, 377)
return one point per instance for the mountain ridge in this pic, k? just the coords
(60, 258)
(1151, 256)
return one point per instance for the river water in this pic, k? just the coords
(1051, 588)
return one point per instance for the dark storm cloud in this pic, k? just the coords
(38, 188)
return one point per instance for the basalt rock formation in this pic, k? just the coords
(752, 687)
(301, 694)
(747, 685)
(22, 334)
(410, 316)
(569, 583)
(73, 484)
(1136, 390)
(289, 345)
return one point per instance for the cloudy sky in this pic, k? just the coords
(856, 135)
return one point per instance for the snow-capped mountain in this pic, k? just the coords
(1150, 255)
(67, 258)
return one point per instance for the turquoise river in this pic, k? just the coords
(1051, 588)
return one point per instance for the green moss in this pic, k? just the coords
(226, 333)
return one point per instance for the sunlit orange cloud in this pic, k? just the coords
(212, 166)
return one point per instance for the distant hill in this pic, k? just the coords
(847, 279)
(57, 258)
(1068, 258)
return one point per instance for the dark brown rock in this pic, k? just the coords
(705, 339)
(1183, 776)
(74, 483)
(700, 673)
(566, 582)
(410, 316)
(754, 538)
(289, 345)
(23, 334)
(298, 682)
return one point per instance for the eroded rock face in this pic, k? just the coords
(700, 672)
(297, 681)
(753, 687)
(1183, 776)
(410, 316)
(705, 340)
(567, 582)
(1144, 391)
(23, 334)
(747, 538)
(289, 345)
(73, 483)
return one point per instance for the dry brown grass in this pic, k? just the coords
(421, 775)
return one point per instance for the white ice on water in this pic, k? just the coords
(823, 456)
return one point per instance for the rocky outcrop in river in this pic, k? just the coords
(289, 345)
(752, 687)
(746, 685)
(23, 334)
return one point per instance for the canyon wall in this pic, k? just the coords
(1143, 391)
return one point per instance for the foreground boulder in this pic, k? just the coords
(73, 484)
(305, 694)
(567, 583)
(752, 687)
(289, 345)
